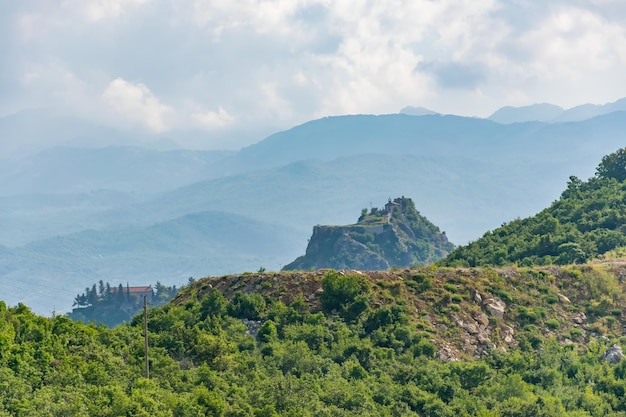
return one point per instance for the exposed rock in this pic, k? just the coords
(613, 355)
(579, 318)
(507, 333)
(483, 338)
(397, 236)
(471, 328)
(253, 326)
(482, 320)
(446, 354)
(495, 307)
(563, 298)
(507, 330)
(478, 298)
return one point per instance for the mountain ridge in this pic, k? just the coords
(546, 112)
(494, 172)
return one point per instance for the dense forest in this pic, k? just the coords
(589, 219)
(331, 344)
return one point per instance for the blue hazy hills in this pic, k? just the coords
(73, 215)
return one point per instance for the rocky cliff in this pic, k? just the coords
(396, 236)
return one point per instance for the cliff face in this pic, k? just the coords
(394, 237)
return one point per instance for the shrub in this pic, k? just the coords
(551, 298)
(246, 306)
(575, 333)
(341, 290)
(424, 348)
(423, 281)
(450, 287)
(268, 332)
(213, 304)
(553, 323)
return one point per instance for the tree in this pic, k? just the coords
(93, 295)
(101, 289)
(340, 291)
(613, 166)
(120, 294)
(80, 300)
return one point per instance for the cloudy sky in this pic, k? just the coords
(217, 65)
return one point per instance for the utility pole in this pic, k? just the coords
(145, 333)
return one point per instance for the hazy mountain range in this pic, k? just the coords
(539, 112)
(72, 215)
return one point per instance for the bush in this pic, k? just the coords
(450, 287)
(214, 304)
(575, 333)
(420, 283)
(424, 348)
(246, 306)
(341, 290)
(553, 323)
(268, 332)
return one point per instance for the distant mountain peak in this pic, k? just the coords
(546, 112)
(541, 112)
(588, 111)
(416, 111)
(396, 236)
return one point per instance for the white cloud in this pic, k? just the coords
(98, 10)
(280, 62)
(212, 120)
(263, 16)
(136, 105)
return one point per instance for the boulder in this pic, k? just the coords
(478, 298)
(563, 298)
(613, 355)
(579, 318)
(482, 320)
(495, 307)
(471, 328)
(483, 338)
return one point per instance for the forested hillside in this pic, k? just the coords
(589, 219)
(418, 342)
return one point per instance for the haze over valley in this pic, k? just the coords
(145, 140)
(72, 215)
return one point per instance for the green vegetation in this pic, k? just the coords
(334, 345)
(517, 340)
(587, 221)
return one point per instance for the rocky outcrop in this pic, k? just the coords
(395, 237)
(333, 247)
(613, 355)
(495, 307)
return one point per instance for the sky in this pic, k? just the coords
(219, 66)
